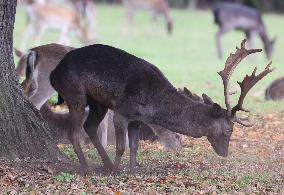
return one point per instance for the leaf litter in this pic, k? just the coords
(255, 166)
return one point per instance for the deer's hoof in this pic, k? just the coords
(109, 166)
(84, 172)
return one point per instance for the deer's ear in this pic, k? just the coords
(207, 100)
(216, 110)
(18, 52)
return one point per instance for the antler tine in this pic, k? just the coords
(230, 65)
(247, 84)
(242, 123)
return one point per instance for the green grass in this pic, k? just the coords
(188, 57)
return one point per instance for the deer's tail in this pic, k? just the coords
(31, 62)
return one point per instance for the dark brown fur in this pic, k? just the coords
(275, 91)
(38, 64)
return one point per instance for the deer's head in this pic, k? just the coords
(219, 122)
(268, 47)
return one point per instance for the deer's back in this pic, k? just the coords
(108, 74)
(147, 4)
(241, 16)
(53, 14)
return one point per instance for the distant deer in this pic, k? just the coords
(275, 91)
(157, 7)
(104, 77)
(231, 16)
(54, 16)
(37, 64)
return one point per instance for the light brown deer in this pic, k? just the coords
(41, 61)
(157, 7)
(41, 17)
(37, 65)
(137, 92)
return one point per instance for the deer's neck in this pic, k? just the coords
(181, 114)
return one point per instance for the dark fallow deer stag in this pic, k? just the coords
(37, 65)
(138, 92)
(232, 16)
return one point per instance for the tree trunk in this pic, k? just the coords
(23, 132)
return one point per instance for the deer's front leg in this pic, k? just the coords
(120, 126)
(63, 38)
(133, 135)
(29, 32)
(218, 43)
(40, 33)
(219, 34)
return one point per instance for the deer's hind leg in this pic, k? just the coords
(96, 115)
(76, 117)
(120, 126)
(218, 43)
(133, 134)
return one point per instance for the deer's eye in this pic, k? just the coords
(228, 132)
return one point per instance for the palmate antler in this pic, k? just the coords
(248, 82)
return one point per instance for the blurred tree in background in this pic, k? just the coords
(263, 5)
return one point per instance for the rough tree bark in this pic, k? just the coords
(23, 133)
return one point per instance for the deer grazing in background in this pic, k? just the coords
(157, 7)
(231, 16)
(37, 64)
(138, 93)
(44, 16)
(275, 91)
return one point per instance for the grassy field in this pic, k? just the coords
(188, 58)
